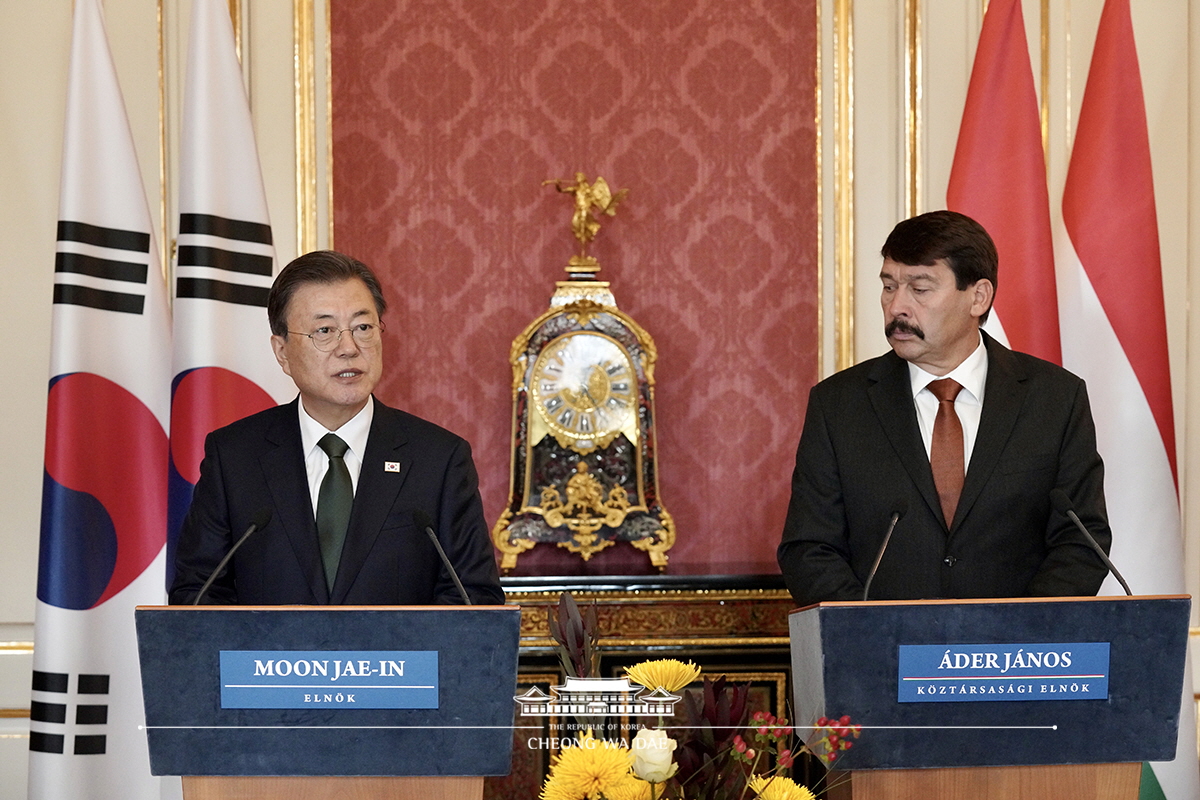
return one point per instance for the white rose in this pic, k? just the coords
(651, 755)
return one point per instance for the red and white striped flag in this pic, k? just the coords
(223, 364)
(1115, 337)
(999, 179)
(104, 500)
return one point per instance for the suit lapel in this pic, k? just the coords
(1002, 400)
(891, 397)
(287, 478)
(378, 486)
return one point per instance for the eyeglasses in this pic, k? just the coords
(326, 338)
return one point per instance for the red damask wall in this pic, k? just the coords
(448, 115)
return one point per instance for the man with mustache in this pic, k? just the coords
(963, 437)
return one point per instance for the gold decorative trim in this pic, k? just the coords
(550, 597)
(15, 648)
(819, 166)
(14, 713)
(843, 180)
(164, 244)
(658, 550)
(695, 641)
(782, 701)
(668, 618)
(235, 17)
(329, 120)
(306, 140)
(509, 550)
(1068, 102)
(912, 107)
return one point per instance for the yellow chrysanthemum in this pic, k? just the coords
(778, 787)
(586, 770)
(666, 673)
(630, 788)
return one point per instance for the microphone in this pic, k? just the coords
(257, 523)
(1062, 504)
(425, 522)
(901, 509)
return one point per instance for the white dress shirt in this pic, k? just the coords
(971, 374)
(354, 433)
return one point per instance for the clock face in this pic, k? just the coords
(584, 386)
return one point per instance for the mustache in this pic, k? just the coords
(902, 326)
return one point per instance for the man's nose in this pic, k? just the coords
(346, 343)
(897, 304)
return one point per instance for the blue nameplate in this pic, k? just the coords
(973, 672)
(329, 679)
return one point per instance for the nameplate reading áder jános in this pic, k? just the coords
(959, 673)
(329, 679)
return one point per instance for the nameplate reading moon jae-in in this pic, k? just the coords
(368, 679)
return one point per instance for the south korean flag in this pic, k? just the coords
(223, 363)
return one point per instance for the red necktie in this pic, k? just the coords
(946, 454)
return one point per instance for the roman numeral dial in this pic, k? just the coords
(584, 388)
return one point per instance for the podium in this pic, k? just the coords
(317, 702)
(1028, 697)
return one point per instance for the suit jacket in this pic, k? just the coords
(861, 458)
(257, 462)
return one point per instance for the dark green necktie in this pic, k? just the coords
(334, 502)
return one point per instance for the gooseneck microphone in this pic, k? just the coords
(259, 521)
(425, 522)
(901, 509)
(1062, 504)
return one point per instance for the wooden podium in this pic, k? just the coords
(323, 702)
(965, 726)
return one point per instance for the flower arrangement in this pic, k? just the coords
(667, 674)
(592, 769)
(720, 752)
(833, 736)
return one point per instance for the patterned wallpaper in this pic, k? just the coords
(448, 115)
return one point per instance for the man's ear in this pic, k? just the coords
(279, 346)
(983, 292)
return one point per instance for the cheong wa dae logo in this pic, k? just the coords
(579, 696)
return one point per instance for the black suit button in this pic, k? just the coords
(949, 561)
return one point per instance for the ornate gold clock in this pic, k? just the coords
(583, 445)
(584, 390)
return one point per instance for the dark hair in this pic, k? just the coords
(960, 240)
(319, 266)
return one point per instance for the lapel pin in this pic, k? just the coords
(391, 466)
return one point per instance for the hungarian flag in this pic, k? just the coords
(999, 179)
(224, 367)
(1115, 337)
(104, 497)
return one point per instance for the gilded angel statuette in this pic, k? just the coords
(588, 196)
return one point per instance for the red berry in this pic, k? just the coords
(844, 720)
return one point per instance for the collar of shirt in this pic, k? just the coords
(354, 433)
(971, 374)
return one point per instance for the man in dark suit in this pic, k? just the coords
(341, 473)
(893, 435)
